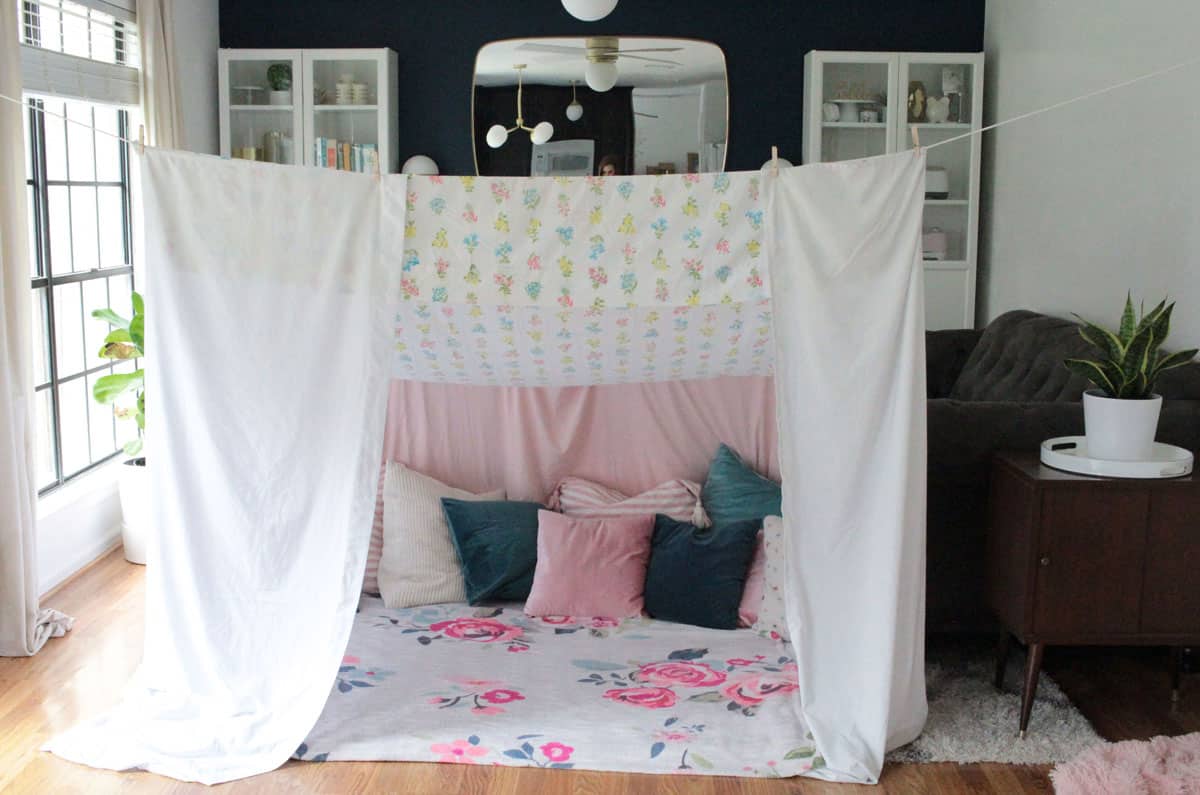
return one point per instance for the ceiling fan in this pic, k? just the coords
(601, 48)
(601, 53)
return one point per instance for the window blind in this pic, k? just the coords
(82, 49)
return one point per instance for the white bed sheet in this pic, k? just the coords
(454, 683)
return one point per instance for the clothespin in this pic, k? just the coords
(775, 161)
(378, 176)
(141, 139)
(916, 137)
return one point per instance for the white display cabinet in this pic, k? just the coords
(340, 111)
(857, 105)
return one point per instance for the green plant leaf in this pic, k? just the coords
(111, 317)
(1173, 360)
(134, 447)
(137, 330)
(1094, 372)
(1128, 321)
(1137, 355)
(118, 335)
(139, 305)
(108, 388)
(1102, 338)
(119, 350)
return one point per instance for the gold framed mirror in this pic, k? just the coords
(577, 106)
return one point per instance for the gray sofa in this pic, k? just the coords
(1005, 387)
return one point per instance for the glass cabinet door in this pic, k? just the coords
(942, 100)
(855, 100)
(259, 92)
(344, 122)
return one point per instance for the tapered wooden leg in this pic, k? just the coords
(1176, 671)
(1003, 647)
(1033, 668)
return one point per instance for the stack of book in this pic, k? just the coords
(345, 156)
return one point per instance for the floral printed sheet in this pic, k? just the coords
(466, 685)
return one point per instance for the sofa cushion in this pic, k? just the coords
(1020, 358)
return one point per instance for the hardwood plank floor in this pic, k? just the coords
(1125, 693)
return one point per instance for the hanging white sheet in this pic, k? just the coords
(268, 331)
(847, 284)
(273, 295)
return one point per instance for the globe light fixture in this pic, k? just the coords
(419, 164)
(589, 10)
(497, 134)
(574, 110)
(601, 72)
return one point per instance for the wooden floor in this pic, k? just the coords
(1125, 693)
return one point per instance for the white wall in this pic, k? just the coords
(196, 40)
(1081, 204)
(668, 138)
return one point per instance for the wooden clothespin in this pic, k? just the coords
(141, 139)
(775, 161)
(916, 137)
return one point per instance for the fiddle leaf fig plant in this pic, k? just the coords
(1132, 357)
(125, 342)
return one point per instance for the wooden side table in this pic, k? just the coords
(1077, 560)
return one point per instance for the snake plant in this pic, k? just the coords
(1132, 360)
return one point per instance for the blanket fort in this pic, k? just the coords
(279, 334)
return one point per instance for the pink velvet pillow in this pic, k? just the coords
(752, 594)
(590, 567)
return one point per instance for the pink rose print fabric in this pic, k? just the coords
(457, 684)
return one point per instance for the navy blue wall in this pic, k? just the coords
(764, 45)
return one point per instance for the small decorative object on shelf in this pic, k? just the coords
(830, 112)
(1120, 416)
(937, 110)
(279, 75)
(869, 116)
(952, 88)
(934, 245)
(937, 183)
(343, 94)
(916, 101)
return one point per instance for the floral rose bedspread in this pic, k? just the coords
(492, 686)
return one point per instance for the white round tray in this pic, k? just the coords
(1069, 453)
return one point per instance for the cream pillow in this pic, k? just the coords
(419, 565)
(772, 618)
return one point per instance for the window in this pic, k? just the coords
(80, 237)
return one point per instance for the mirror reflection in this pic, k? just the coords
(599, 105)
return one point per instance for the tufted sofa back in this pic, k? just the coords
(1019, 358)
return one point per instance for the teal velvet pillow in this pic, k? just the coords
(733, 491)
(497, 546)
(696, 576)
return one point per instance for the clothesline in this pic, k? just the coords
(1038, 112)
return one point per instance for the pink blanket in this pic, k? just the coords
(627, 436)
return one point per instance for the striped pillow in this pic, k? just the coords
(375, 550)
(678, 499)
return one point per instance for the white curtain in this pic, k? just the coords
(268, 345)
(23, 626)
(847, 287)
(161, 108)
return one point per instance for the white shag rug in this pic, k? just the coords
(971, 721)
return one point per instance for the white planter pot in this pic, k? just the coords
(281, 97)
(133, 485)
(1120, 430)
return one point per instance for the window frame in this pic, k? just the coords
(44, 276)
(47, 279)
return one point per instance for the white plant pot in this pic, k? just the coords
(281, 97)
(133, 486)
(1120, 430)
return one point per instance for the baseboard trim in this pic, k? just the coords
(85, 560)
